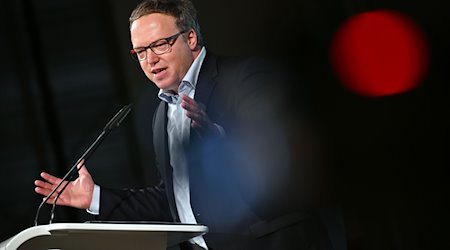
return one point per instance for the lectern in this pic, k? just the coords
(99, 236)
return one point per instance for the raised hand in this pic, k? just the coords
(199, 118)
(78, 193)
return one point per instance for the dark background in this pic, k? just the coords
(65, 70)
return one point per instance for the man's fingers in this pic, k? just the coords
(195, 111)
(44, 191)
(195, 124)
(189, 103)
(41, 191)
(82, 170)
(187, 99)
(194, 116)
(43, 184)
(50, 178)
(80, 164)
(188, 106)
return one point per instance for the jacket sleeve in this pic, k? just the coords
(260, 139)
(147, 204)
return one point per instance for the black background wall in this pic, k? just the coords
(65, 70)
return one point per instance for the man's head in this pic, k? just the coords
(166, 38)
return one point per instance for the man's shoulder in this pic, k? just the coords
(243, 64)
(240, 61)
(253, 71)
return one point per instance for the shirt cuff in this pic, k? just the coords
(94, 208)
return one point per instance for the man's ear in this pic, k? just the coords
(192, 39)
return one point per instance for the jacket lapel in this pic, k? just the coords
(206, 80)
(160, 142)
(160, 139)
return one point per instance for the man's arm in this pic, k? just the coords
(147, 204)
(128, 204)
(78, 193)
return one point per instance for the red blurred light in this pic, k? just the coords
(379, 53)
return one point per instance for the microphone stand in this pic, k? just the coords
(113, 123)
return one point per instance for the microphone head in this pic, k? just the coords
(118, 118)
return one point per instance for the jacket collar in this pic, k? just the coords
(206, 80)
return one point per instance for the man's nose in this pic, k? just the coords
(152, 58)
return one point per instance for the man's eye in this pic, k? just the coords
(160, 44)
(140, 52)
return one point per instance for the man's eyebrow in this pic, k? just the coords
(150, 44)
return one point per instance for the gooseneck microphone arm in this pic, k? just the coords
(113, 123)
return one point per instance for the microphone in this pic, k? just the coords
(112, 124)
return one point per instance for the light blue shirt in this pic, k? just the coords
(178, 131)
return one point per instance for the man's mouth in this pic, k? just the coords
(159, 74)
(157, 71)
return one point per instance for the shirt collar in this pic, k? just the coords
(188, 83)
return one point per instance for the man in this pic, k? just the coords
(220, 143)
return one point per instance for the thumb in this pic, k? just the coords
(82, 170)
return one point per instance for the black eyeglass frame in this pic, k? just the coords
(170, 41)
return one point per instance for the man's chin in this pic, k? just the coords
(166, 86)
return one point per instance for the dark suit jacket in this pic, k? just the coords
(238, 183)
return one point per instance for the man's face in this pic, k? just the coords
(166, 70)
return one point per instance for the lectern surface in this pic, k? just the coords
(68, 236)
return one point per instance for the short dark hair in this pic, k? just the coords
(183, 11)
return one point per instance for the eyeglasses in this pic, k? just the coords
(159, 47)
